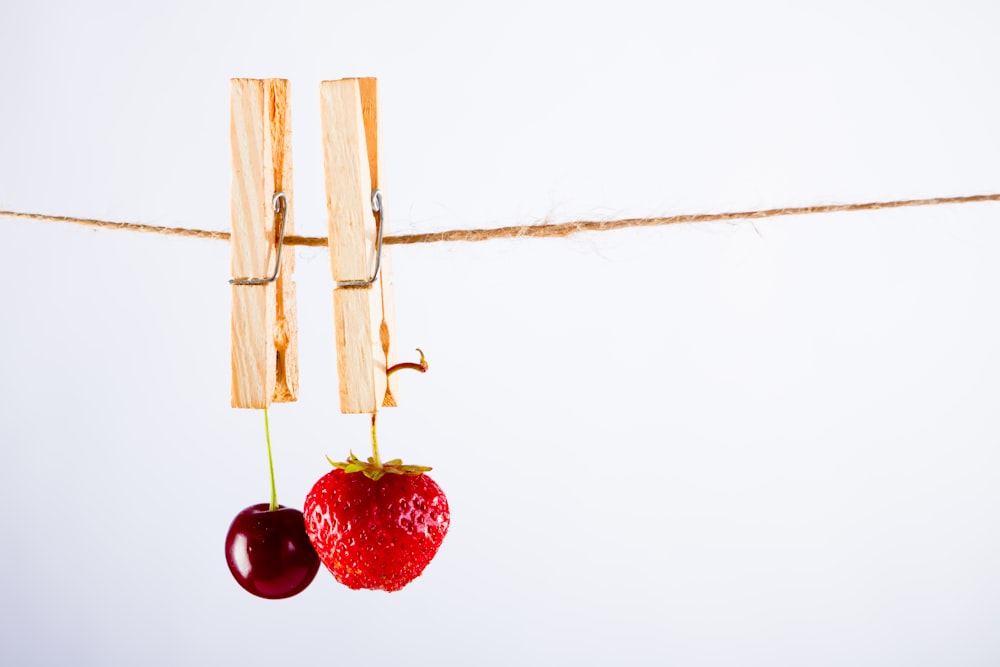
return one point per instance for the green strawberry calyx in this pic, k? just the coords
(376, 470)
(373, 468)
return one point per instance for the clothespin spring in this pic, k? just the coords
(378, 207)
(280, 204)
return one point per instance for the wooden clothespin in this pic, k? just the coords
(264, 327)
(363, 309)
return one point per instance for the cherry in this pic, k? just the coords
(267, 548)
(269, 553)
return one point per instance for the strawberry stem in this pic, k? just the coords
(375, 457)
(270, 462)
(422, 366)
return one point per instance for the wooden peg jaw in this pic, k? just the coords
(264, 324)
(363, 317)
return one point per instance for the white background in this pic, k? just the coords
(719, 444)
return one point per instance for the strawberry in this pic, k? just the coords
(376, 525)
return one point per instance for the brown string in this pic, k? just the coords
(556, 230)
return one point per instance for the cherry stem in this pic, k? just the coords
(422, 366)
(375, 457)
(270, 462)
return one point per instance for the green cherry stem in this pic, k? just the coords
(375, 457)
(270, 461)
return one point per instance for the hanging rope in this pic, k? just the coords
(554, 230)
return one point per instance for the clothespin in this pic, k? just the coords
(264, 327)
(362, 300)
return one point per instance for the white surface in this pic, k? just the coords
(770, 444)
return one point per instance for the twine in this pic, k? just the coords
(548, 230)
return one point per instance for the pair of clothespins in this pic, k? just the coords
(264, 328)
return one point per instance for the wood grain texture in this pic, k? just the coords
(286, 330)
(264, 329)
(368, 87)
(387, 330)
(360, 361)
(350, 221)
(364, 327)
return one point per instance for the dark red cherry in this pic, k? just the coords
(269, 553)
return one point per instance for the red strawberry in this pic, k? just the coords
(376, 525)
